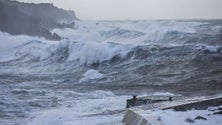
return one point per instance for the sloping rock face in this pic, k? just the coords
(34, 19)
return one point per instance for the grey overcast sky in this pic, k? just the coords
(140, 9)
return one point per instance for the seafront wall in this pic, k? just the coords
(199, 105)
(142, 116)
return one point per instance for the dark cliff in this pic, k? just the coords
(34, 19)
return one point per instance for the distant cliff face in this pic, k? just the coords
(34, 19)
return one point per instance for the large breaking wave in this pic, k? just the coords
(110, 46)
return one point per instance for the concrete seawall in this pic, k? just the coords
(142, 115)
(199, 105)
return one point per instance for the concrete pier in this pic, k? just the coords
(141, 115)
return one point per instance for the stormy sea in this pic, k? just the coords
(85, 78)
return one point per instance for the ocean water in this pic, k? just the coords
(87, 77)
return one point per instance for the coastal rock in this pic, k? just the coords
(189, 120)
(200, 118)
(34, 19)
(217, 113)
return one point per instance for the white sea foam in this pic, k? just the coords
(83, 31)
(94, 52)
(209, 48)
(91, 75)
(10, 42)
(136, 32)
(212, 48)
(153, 26)
(171, 117)
(85, 52)
(163, 94)
(91, 111)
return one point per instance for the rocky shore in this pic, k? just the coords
(34, 19)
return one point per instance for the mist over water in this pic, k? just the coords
(87, 77)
